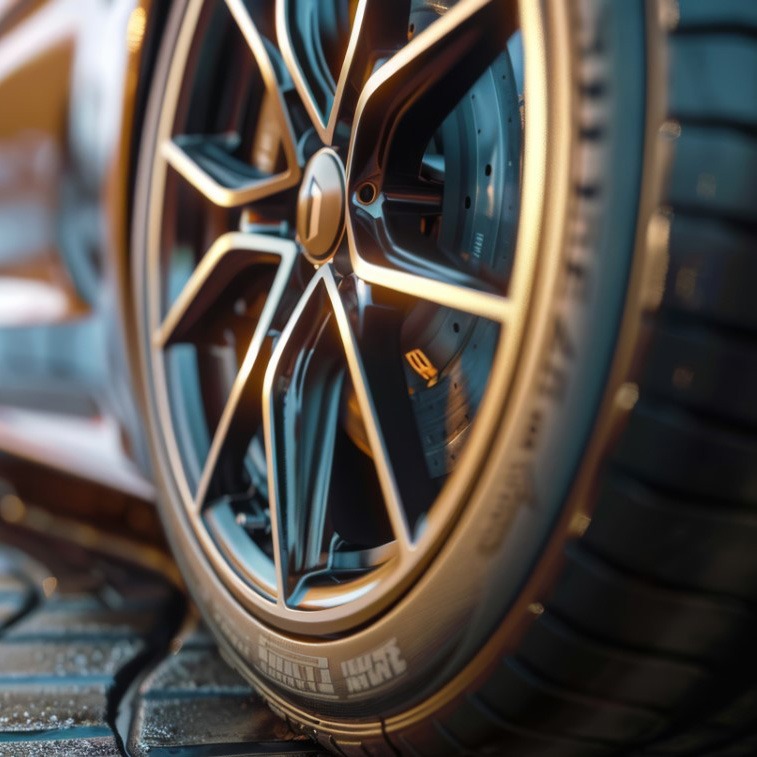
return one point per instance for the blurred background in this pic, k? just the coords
(68, 71)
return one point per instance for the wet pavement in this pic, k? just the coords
(103, 656)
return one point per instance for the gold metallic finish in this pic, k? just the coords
(135, 29)
(218, 194)
(422, 365)
(657, 259)
(12, 508)
(581, 523)
(493, 307)
(627, 396)
(669, 13)
(116, 196)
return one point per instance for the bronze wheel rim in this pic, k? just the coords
(314, 341)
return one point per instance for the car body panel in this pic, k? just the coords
(70, 79)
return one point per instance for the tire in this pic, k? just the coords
(580, 578)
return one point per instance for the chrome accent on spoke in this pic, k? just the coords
(287, 51)
(257, 189)
(288, 254)
(246, 249)
(290, 59)
(357, 33)
(226, 197)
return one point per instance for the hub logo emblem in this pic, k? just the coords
(321, 204)
(314, 209)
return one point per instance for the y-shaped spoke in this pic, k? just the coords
(302, 393)
(301, 399)
(377, 30)
(221, 264)
(282, 411)
(235, 428)
(205, 161)
(401, 106)
(406, 99)
(371, 422)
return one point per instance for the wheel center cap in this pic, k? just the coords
(320, 206)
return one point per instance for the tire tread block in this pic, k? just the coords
(707, 372)
(688, 455)
(598, 669)
(694, 547)
(702, 85)
(612, 605)
(712, 272)
(521, 695)
(707, 15)
(715, 172)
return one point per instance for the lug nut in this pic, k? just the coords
(367, 193)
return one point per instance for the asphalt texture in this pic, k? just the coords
(101, 656)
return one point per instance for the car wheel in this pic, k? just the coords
(446, 353)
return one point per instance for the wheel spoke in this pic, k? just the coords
(227, 257)
(302, 393)
(378, 444)
(235, 428)
(375, 33)
(388, 415)
(314, 91)
(206, 162)
(202, 163)
(407, 98)
(435, 283)
(298, 484)
(400, 108)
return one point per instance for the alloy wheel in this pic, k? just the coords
(335, 288)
